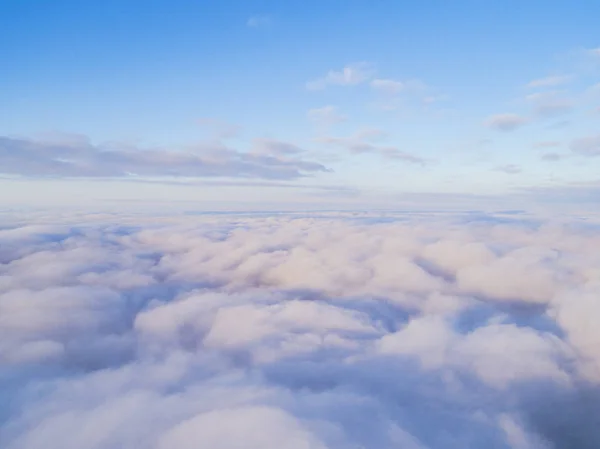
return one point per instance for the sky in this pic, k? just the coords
(299, 224)
(341, 104)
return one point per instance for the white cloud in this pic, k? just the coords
(313, 331)
(550, 81)
(246, 427)
(350, 75)
(388, 86)
(506, 122)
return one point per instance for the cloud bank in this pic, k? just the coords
(305, 331)
(80, 158)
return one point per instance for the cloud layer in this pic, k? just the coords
(80, 158)
(299, 332)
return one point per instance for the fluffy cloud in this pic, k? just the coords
(305, 331)
(80, 158)
(506, 122)
(350, 75)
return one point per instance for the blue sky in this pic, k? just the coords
(342, 102)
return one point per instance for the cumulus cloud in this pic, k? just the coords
(303, 331)
(506, 122)
(350, 75)
(365, 142)
(81, 158)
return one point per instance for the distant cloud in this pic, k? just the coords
(510, 169)
(350, 75)
(550, 81)
(219, 129)
(388, 86)
(560, 124)
(587, 146)
(550, 104)
(394, 94)
(552, 157)
(363, 143)
(594, 52)
(547, 144)
(593, 90)
(276, 148)
(435, 99)
(326, 116)
(258, 21)
(506, 122)
(83, 159)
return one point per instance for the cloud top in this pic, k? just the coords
(320, 331)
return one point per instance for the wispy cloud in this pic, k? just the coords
(594, 52)
(510, 169)
(258, 21)
(552, 157)
(325, 116)
(586, 146)
(547, 144)
(219, 129)
(388, 86)
(506, 122)
(550, 104)
(363, 142)
(84, 159)
(350, 75)
(550, 81)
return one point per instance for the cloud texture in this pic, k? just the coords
(321, 331)
(79, 158)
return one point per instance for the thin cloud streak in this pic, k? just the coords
(270, 160)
